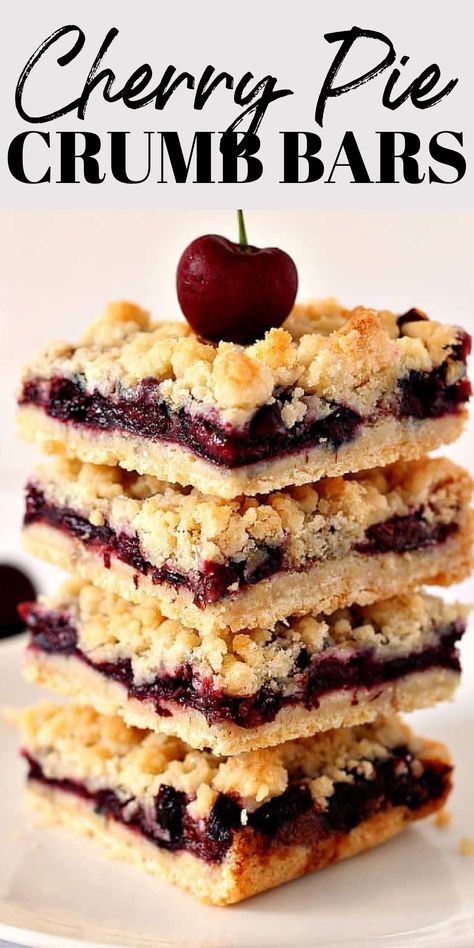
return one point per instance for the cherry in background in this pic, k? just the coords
(15, 587)
(235, 292)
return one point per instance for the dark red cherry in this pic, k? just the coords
(15, 587)
(232, 291)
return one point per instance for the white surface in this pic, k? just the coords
(56, 889)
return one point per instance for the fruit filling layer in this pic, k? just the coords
(146, 415)
(310, 680)
(181, 799)
(214, 581)
(421, 395)
(248, 677)
(316, 381)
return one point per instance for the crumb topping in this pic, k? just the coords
(323, 354)
(443, 818)
(316, 521)
(104, 753)
(110, 630)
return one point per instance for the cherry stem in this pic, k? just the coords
(242, 232)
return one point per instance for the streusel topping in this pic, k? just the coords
(322, 354)
(315, 521)
(110, 630)
(104, 753)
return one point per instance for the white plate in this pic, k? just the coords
(57, 891)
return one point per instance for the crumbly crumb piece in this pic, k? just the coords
(103, 753)
(466, 846)
(443, 818)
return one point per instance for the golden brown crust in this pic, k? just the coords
(384, 442)
(71, 678)
(324, 587)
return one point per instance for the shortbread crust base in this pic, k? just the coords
(379, 444)
(244, 872)
(69, 676)
(323, 587)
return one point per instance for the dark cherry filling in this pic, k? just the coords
(427, 394)
(207, 585)
(411, 316)
(146, 414)
(54, 633)
(290, 819)
(212, 581)
(401, 534)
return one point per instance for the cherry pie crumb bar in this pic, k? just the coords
(249, 562)
(333, 391)
(228, 828)
(238, 692)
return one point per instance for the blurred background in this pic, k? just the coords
(59, 269)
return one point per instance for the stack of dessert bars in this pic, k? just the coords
(248, 530)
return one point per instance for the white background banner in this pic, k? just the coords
(354, 149)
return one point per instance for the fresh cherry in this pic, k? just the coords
(235, 292)
(15, 587)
